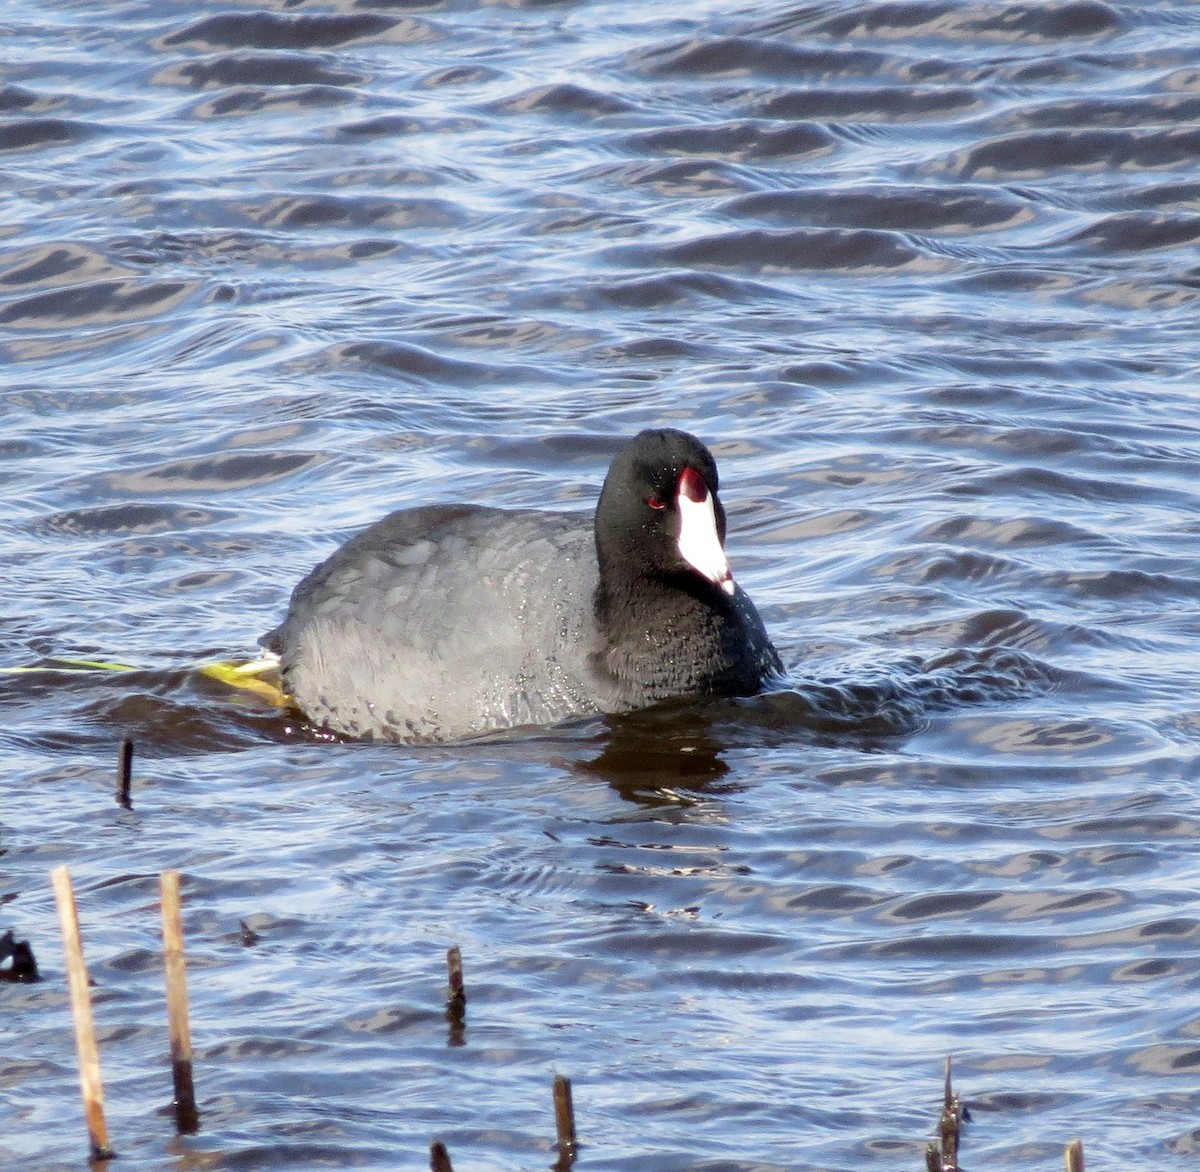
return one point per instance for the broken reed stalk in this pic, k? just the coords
(941, 1155)
(950, 1124)
(1073, 1156)
(187, 1118)
(81, 1009)
(125, 774)
(439, 1158)
(456, 997)
(564, 1119)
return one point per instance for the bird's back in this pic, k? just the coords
(443, 621)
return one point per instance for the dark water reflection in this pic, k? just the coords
(923, 274)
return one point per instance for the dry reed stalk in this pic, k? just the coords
(81, 1010)
(187, 1118)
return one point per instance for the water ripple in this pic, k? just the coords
(923, 275)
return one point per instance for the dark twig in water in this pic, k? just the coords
(187, 1118)
(1073, 1156)
(456, 998)
(564, 1122)
(24, 969)
(439, 1158)
(81, 1009)
(456, 995)
(125, 774)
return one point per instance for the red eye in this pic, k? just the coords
(655, 503)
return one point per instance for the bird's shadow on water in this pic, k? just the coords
(670, 749)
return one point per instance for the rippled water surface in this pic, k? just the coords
(924, 274)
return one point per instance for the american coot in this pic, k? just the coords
(440, 622)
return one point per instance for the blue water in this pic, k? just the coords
(923, 275)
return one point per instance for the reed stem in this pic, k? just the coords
(81, 1010)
